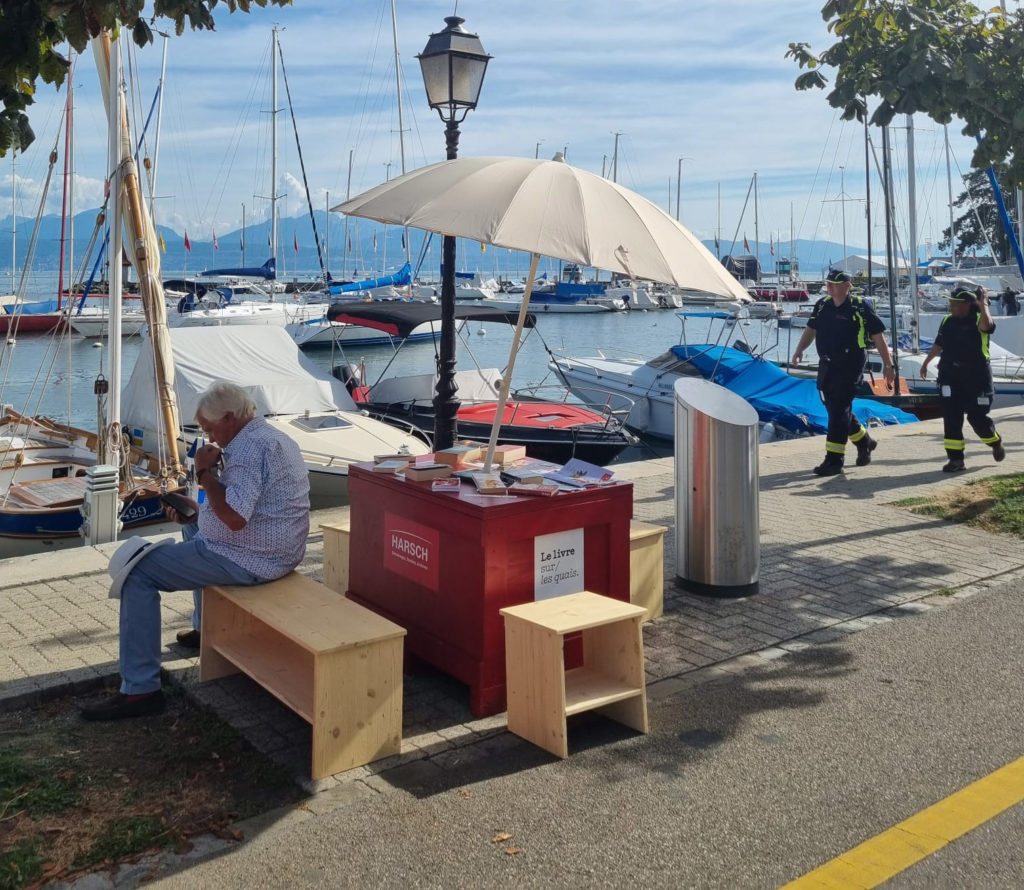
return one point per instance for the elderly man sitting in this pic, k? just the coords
(251, 528)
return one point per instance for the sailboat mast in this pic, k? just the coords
(273, 147)
(401, 119)
(615, 159)
(151, 178)
(64, 197)
(757, 240)
(114, 254)
(949, 193)
(14, 218)
(243, 235)
(912, 218)
(867, 196)
(346, 249)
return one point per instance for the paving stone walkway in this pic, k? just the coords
(837, 555)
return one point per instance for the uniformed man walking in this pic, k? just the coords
(965, 375)
(841, 326)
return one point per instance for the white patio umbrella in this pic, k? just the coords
(546, 208)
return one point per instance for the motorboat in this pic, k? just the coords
(645, 388)
(291, 393)
(1007, 373)
(551, 430)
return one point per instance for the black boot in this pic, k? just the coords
(832, 465)
(998, 452)
(955, 464)
(864, 448)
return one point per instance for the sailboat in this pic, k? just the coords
(44, 465)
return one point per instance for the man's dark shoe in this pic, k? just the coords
(864, 448)
(121, 706)
(954, 465)
(828, 468)
(190, 639)
(998, 452)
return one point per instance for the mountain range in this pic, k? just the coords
(372, 249)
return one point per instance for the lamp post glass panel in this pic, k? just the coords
(453, 65)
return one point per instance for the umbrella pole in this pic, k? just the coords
(506, 380)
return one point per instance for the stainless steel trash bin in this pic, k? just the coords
(718, 548)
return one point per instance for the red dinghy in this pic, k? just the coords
(554, 431)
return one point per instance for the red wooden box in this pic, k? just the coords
(443, 565)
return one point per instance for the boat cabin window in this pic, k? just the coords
(316, 422)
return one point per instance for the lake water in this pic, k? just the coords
(54, 375)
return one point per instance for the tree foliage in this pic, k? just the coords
(938, 57)
(979, 224)
(33, 33)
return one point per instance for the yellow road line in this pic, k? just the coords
(879, 858)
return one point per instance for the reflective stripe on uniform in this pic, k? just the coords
(862, 340)
(984, 339)
(857, 436)
(991, 440)
(835, 447)
(954, 444)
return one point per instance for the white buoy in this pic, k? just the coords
(481, 332)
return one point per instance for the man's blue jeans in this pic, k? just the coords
(188, 565)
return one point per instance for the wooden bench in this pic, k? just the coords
(335, 663)
(647, 567)
(336, 537)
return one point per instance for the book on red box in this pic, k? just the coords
(391, 466)
(449, 484)
(458, 455)
(489, 483)
(424, 460)
(426, 472)
(533, 489)
(507, 454)
(581, 474)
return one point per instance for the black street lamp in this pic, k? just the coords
(453, 65)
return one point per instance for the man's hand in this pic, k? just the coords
(889, 372)
(797, 356)
(175, 516)
(924, 369)
(207, 457)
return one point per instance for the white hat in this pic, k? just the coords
(124, 558)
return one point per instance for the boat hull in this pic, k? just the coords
(597, 443)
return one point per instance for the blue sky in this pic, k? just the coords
(702, 81)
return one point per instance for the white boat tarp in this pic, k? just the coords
(264, 361)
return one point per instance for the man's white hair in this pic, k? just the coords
(223, 398)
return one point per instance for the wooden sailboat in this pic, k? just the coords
(43, 464)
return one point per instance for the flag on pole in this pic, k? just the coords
(374, 240)
(295, 241)
(746, 246)
(771, 246)
(350, 245)
(403, 240)
(163, 247)
(483, 247)
(188, 244)
(216, 246)
(718, 247)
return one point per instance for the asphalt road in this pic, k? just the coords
(747, 781)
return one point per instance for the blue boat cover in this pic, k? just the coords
(790, 402)
(43, 307)
(399, 279)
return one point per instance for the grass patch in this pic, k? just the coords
(76, 797)
(994, 504)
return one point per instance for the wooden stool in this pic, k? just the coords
(336, 537)
(542, 693)
(646, 566)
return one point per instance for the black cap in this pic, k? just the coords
(837, 276)
(963, 293)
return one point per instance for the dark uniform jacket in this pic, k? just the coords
(843, 330)
(965, 358)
